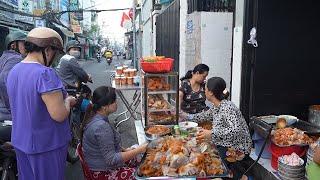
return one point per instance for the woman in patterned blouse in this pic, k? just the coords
(230, 131)
(191, 92)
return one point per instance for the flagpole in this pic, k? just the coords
(134, 35)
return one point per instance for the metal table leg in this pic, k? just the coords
(128, 106)
(126, 111)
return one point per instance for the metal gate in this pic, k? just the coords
(168, 33)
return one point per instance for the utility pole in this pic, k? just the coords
(134, 35)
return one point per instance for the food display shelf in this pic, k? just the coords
(167, 85)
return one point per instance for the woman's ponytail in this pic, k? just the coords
(187, 76)
(90, 111)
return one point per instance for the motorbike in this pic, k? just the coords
(109, 60)
(8, 162)
(75, 120)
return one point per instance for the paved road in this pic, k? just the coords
(101, 77)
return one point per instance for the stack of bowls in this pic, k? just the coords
(287, 172)
(309, 158)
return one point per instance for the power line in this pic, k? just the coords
(92, 10)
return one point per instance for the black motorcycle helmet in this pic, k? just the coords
(73, 44)
(14, 37)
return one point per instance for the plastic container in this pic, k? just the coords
(163, 66)
(125, 67)
(130, 80)
(132, 72)
(117, 80)
(123, 80)
(119, 70)
(126, 72)
(277, 151)
(258, 143)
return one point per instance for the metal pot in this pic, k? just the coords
(314, 114)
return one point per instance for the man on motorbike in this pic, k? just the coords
(14, 44)
(68, 68)
(108, 55)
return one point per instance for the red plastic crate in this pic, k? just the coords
(163, 66)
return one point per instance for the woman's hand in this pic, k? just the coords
(71, 101)
(143, 148)
(204, 135)
(183, 116)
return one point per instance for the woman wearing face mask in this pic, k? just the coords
(39, 107)
(230, 131)
(101, 142)
(68, 68)
(191, 92)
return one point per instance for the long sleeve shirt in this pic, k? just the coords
(7, 61)
(229, 126)
(70, 71)
(101, 145)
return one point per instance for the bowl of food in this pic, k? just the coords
(188, 125)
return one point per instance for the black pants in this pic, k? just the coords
(5, 133)
(237, 168)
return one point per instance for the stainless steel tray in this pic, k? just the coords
(152, 137)
(226, 171)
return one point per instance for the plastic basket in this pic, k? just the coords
(163, 66)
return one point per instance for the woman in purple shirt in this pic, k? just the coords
(101, 142)
(39, 107)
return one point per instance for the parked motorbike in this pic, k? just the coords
(75, 120)
(8, 162)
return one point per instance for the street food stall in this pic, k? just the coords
(284, 145)
(173, 152)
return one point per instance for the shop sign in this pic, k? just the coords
(74, 6)
(11, 2)
(7, 16)
(27, 7)
(40, 23)
(189, 27)
(38, 12)
(76, 29)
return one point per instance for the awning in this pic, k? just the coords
(65, 31)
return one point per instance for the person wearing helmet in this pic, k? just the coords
(68, 68)
(40, 108)
(14, 44)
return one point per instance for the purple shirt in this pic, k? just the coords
(34, 131)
